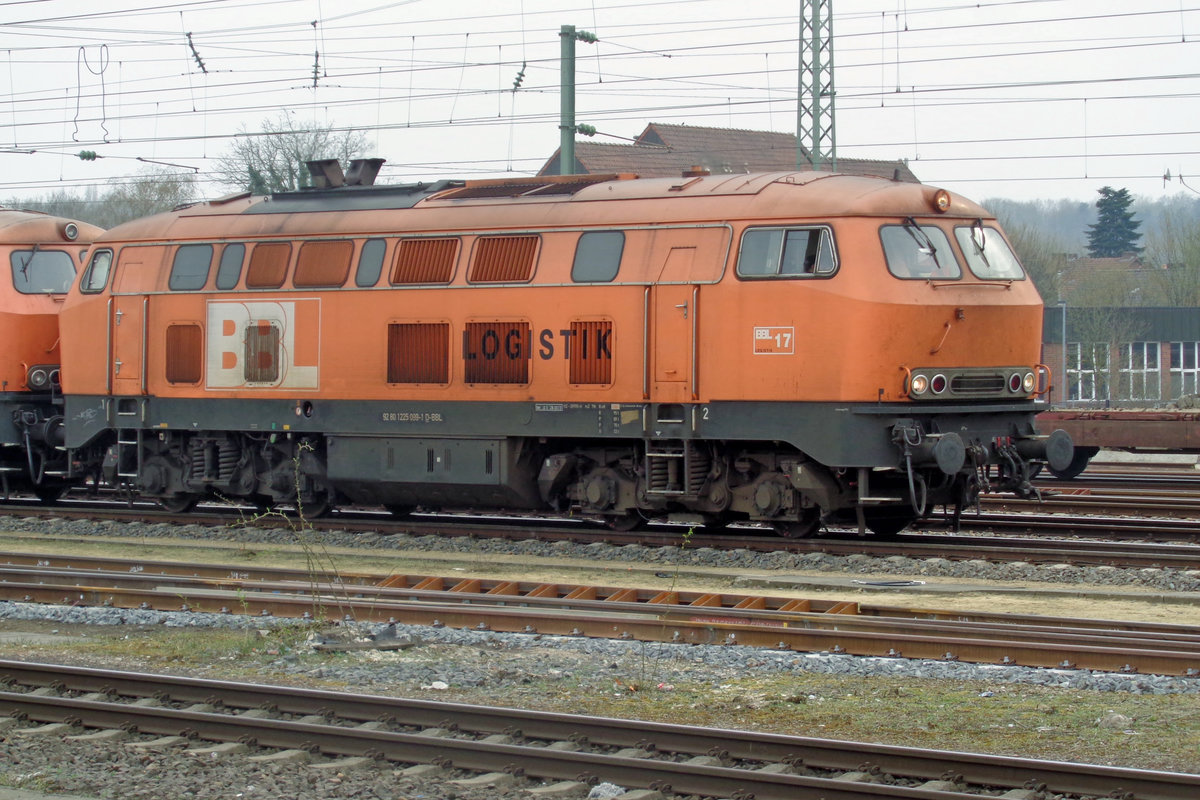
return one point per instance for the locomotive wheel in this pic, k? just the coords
(400, 512)
(1078, 464)
(718, 520)
(807, 525)
(48, 495)
(178, 503)
(887, 523)
(319, 506)
(629, 521)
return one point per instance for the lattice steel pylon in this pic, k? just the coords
(814, 110)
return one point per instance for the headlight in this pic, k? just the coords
(1029, 382)
(918, 385)
(38, 378)
(1014, 382)
(938, 384)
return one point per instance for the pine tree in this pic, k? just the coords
(1116, 231)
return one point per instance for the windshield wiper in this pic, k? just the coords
(28, 261)
(980, 243)
(924, 243)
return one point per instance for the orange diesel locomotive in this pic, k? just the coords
(785, 347)
(42, 253)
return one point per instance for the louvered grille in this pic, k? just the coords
(419, 352)
(504, 259)
(262, 353)
(268, 265)
(496, 352)
(425, 261)
(322, 264)
(591, 353)
(184, 346)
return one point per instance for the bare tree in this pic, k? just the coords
(151, 191)
(154, 190)
(1174, 249)
(1043, 256)
(273, 159)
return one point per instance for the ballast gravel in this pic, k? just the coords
(541, 649)
(448, 657)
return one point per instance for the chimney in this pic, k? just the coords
(326, 174)
(363, 171)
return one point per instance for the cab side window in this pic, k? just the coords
(598, 256)
(230, 269)
(787, 253)
(189, 271)
(96, 277)
(370, 262)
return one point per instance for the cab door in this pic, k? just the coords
(137, 273)
(674, 314)
(129, 338)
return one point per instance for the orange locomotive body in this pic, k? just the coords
(41, 254)
(787, 347)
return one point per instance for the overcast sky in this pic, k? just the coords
(1024, 99)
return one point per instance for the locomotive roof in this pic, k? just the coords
(557, 200)
(35, 226)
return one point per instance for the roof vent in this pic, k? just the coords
(326, 173)
(363, 171)
(696, 171)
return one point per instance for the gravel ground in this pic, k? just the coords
(1171, 580)
(476, 659)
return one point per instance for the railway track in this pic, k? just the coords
(510, 745)
(1030, 536)
(657, 615)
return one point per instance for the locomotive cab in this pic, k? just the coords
(40, 254)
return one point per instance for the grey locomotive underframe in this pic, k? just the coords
(767, 461)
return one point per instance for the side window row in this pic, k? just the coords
(325, 264)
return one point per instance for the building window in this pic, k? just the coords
(1185, 369)
(1138, 376)
(1087, 371)
(786, 253)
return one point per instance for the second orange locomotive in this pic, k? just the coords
(786, 347)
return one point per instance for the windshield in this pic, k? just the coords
(988, 255)
(918, 251)
(42, 271)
